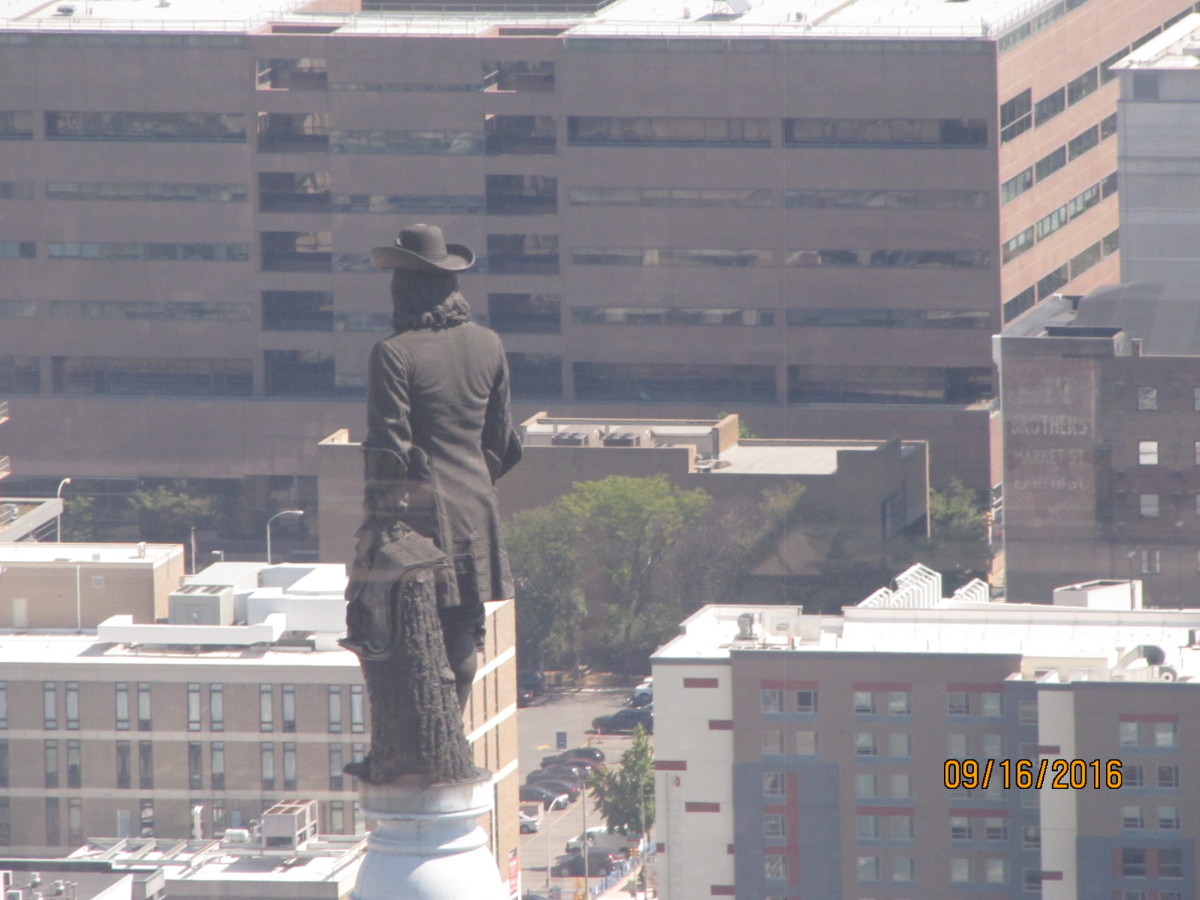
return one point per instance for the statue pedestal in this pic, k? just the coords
(428, 844)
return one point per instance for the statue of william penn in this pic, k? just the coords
(429, 550)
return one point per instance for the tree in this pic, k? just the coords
(550, 609)
(956, 514)
(168, 516)
(625, 796)
(79, 518)
(625, 527)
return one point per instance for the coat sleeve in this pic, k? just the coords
(501, 443)
(387, 451)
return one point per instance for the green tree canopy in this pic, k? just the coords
(168, 516)
(550, 608)
(625, 796)
(956, 514)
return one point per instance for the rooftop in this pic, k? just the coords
(1094, 632)
(104, 554)
(685, 18)
(1176, 48)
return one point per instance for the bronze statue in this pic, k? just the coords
(429, 550)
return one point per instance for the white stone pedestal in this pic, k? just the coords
(428, 844)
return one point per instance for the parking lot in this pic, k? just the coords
(537, 730)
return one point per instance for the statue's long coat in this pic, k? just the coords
(445, 392)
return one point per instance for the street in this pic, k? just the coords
(537, 728)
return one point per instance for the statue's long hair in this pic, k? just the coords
(427, 300)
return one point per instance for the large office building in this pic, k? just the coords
(807, 756)
(814, 213)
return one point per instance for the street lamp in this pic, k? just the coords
(58, 520)
(285, 512)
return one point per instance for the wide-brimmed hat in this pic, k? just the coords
(423, 248)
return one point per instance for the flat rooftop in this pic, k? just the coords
(1176, 48)
(1058, 643)
(90, 554)
(981, 19)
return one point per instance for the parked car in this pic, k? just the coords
(559, 787)
(567, 775)
(599, 864)
(549, 799)
(529, 824)
(600, 838)
(591, 753)
(627, 719)
(531, 684)
(643, 694)
(566, 759)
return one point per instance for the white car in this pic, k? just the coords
(599, 838)
(529, 824)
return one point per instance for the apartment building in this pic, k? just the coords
(200, 724)
(920, 746)
(813, 213)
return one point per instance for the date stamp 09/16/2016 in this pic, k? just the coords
(1026, 774)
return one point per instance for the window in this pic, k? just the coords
(266, 708)
(1147, 453)
(3, 704)
(306, 373)
(775, 866)
(1170, 862)
(864, 744)
(1083, 142)
(899, 703)
(296, 133)
(72, 705)
(867, 827)
(902, 827)
(991, 745)
(1151, 562)
(75, 764)
(1196, 407)
(960, 828)
(1050, 163)
(864, 702)
(899, 744)
(1049, 224)
(334, 704)
(195, 756)
(1016, 186)
(991, 704)
(145, 813)
(1166, 734)
(296, 251)
(535, 375)
(771, 701)
(902, 868)
(1049, 106)
(16, 125)
(806, 701)
(289, 767)
(854, 258)
(144, 192)
(1147, 397)
(292, 192)
(50, 759)
(139, 126)
(522, 254)
(893, 133)
(421, 143)
(1133, 862)
(217, 765)
(772, 742)
(1031, 837)
(901, 786)
(291, 74)
(774, 825)
(995, 828)
(519, 135)
(960, 870)
(680, 315)
(357, 722)
(1027, 712)
(1131, 775)
(145, 765)
(1132, 818)
(53, 829)
(1014, 247)
(1168, 776)
(336, 776)
(4, 779)
(886, 384)
(266, 761)
(49, 705)
(521, 195)
(723, 197)
(193, 707)
(124, 764)
(866, 786)
(1016, 116)
(216, 707)
(143, 706)
(957, 745)
(1168, 818)
(288, 707)
(663, 131)
(1078, 88)
(995, 871)
(958, 703)
(525, 313)
(518, 75)
(806, 743)
(773, 784)
(868, 868)
(1148, 506)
